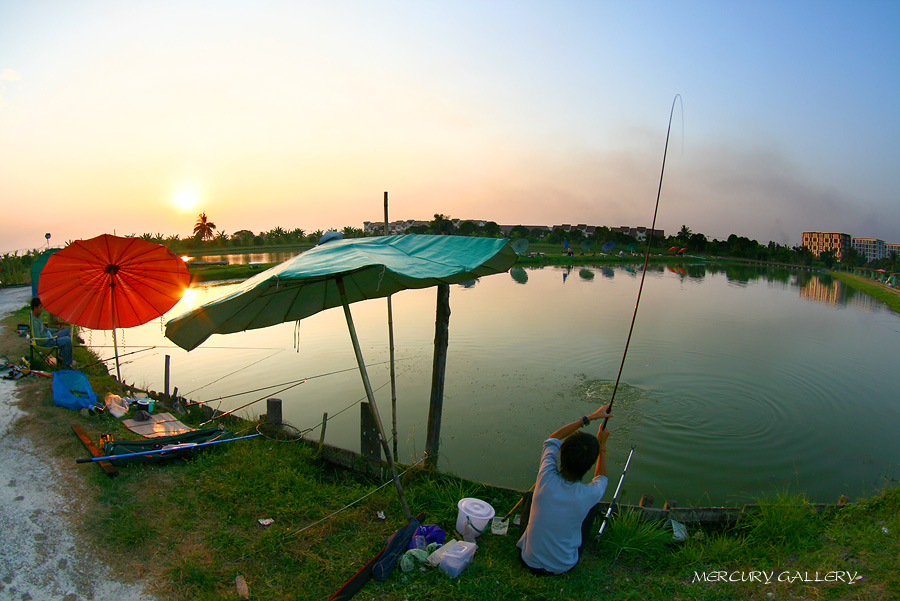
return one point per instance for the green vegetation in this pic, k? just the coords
(191, 527)
(880, 292)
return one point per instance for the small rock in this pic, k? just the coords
(243, 590)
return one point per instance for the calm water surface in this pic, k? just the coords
(737, 382)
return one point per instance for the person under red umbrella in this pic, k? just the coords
(60, 338)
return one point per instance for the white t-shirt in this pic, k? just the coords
(553, 535)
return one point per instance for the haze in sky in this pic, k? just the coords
(132, 117)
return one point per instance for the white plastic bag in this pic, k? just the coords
(116, 405)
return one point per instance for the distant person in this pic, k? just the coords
(60, 338)
(562, 509)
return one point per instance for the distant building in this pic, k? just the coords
(401, 226)
(394, 227)
(638, 233)
(871, 248)
(819, 242)
(892, 248)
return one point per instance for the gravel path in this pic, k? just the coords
(40, 557)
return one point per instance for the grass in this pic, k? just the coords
(880, 292)
(189, 528)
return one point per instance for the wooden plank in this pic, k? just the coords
(106, 466)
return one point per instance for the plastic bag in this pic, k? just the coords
(116, 405)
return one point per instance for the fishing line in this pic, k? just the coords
(331, 373)
(334, 513)
(99, 361)
(647, 254)
(234, 372)
(214, 417)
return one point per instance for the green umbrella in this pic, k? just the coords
(37, 267)
(338, 273)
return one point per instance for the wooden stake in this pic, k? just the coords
(439, 368)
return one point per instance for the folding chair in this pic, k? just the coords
(38, 346)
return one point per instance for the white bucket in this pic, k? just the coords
(476, 512)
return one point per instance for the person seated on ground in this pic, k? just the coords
(60, 338)
(562, 508)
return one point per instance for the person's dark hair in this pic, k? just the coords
(35, 302)
(577, 454)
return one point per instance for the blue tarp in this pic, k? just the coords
(72, 390)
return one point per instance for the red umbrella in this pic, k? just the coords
(110, 282)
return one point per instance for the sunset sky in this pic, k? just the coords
(132, 117)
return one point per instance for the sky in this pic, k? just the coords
(133, 117)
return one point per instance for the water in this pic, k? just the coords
(249, 258)
(737, 382)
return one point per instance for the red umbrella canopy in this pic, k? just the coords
(111, 282)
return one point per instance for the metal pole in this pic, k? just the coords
(112, 298)
(371, 396)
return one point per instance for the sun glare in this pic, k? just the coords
(185, 200)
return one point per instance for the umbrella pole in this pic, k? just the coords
(371, 397)
(112, 296)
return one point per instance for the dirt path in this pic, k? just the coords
(40, 558)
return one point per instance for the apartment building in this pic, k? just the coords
(819, 242)
(871, 248)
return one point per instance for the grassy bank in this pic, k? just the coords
(190, 528)
(880, 292)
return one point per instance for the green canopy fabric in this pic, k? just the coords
(369, 267)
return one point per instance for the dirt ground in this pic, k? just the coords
(41, 557)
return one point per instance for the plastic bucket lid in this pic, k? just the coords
(476, 511)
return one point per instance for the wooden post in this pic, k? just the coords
(273, 411)
(439, 368)
(322, 434)
(369, 445)
(166, 377)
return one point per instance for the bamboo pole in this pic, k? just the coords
(371, 396)
(390, 314)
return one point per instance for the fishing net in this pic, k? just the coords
(282, 432)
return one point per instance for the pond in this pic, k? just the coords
(738, 381)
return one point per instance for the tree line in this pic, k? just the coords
(207, 236)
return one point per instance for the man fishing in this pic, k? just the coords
(561, 512)
(59, 337)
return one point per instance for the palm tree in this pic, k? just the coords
(203, 229)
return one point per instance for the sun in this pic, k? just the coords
(185, 200)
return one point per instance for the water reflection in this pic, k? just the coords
(732, 384)
(250, 258)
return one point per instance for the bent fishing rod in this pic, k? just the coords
(650, 234)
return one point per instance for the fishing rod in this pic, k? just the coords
(283, 432)
(167, 449)
(288, 386)
(99, 361)
(646, 259)
(612, 503)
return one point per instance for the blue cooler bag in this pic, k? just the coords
(72, 390)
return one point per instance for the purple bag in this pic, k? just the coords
(431, 533)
